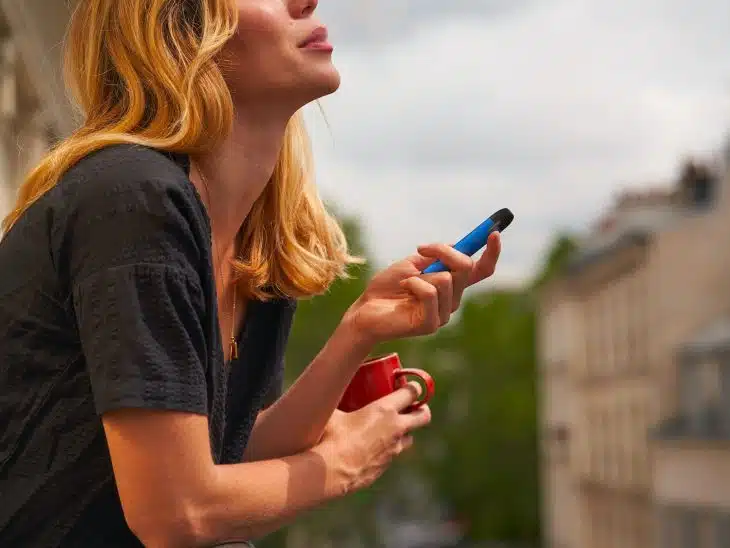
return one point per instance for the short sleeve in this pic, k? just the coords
(133, 253)
(142, 338)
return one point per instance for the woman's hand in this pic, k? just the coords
(361, 445)
(401, 302)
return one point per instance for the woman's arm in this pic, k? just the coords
(173, 494)
(398, 303)
(296, 421)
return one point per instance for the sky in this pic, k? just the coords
(451, 110)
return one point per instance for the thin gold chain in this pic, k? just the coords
(233, 343)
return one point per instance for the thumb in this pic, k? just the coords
(403, 397)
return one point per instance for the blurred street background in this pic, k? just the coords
(583, 394)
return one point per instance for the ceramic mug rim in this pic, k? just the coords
(381, 358)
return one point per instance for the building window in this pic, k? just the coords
(689, 529)
(603, 469)
(609, 329)
(725, 394)
(666, 533)
(698, 185)
(591, 338)
(635, 447)
(721, 531)
(700, 392)
(558, 440)
(703, 190)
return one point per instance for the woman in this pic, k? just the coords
(148, 276)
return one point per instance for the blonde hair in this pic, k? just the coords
(144, 72)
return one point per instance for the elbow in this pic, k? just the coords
(175, 526)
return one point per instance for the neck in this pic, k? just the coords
(232, 176)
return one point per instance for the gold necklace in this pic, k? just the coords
(233, 343)
(233, 350)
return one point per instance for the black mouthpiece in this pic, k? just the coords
(502, 219)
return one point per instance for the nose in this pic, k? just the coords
(302, 8)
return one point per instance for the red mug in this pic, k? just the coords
(380, 376)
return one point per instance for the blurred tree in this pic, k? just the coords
(318, 317)
(559, 253)
(314, 322)
(480, 454)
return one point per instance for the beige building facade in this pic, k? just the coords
(34, 110)
(634, 375)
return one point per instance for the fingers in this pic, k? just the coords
(454, 260)
(418, 418)
(444, 284)
(403, 444)
(401, 399)
(441, 293)
(460, 267)
(487, 263)
(428, 295)
(420, 262)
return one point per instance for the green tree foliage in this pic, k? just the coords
(314, 322)
(480, 455)
(317, 318)
(559, 253)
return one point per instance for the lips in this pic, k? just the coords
(317, 37)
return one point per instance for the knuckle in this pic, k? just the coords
(464, 264)
(427, 416)
(382, 408)
(401, 430)
(415, 388)
(431, 291)
(444, 280)
(434, 324)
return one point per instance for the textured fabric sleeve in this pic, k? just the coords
(133, 258)
(142, 338)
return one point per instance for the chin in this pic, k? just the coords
(312, 85)
(326, 82)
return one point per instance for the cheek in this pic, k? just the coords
(261, 53)
(263, 33)
(263, 18)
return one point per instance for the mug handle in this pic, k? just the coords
(427, 381)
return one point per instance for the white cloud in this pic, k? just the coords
(547, 110)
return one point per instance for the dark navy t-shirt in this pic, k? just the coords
(108, 301)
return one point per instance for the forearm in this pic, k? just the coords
(297, 420)
(250, 500)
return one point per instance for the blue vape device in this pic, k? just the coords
(477, 238)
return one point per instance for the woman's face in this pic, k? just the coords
(280, 54)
